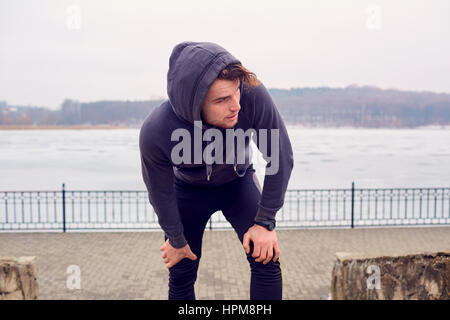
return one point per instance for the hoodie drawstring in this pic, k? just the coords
(208, 171)
(209, 166)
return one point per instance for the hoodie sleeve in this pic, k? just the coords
(266, 116)
(158, 176)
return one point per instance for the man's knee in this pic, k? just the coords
(268, 265)
(270, 269)
(184, 273)
(253, 263)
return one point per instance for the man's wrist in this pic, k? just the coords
(178, 242)
(268, 224)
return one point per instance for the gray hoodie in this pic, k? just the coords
(193, 67)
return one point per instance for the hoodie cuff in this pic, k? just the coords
(264, 214)
(178, 242)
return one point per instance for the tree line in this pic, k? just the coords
(357, 106)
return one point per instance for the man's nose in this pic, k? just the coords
(235, 106)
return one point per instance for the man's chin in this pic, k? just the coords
(229, 125)
(226, 124)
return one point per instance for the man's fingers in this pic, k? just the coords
(167, 262)
(246, 243)
(269, 255)
(277, 252)
(261, 253)
(191, 255)
(256, 250)
(262, 256)
(172, 262)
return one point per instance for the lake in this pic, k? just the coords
(324, 158)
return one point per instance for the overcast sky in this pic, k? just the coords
(93, 50)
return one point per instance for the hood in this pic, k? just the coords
(193, 67)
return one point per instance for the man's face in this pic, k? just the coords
(221, 104)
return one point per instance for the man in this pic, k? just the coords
(211, 92)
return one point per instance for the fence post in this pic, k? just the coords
(210, 223)
(353, 204)
(64, 206)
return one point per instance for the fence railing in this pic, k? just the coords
(129, 210)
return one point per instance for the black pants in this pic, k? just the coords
(238, 202)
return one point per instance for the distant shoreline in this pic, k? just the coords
(291, 125)
(312, 127)
(61, 127)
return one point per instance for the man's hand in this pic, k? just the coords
(172, 256)
(264, 243)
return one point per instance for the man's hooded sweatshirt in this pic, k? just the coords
(193, 67)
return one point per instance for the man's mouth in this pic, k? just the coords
(233, 116)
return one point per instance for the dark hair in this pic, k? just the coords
(238, 71)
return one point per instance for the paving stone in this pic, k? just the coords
(128, 265)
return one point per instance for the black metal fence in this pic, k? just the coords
(65, 210)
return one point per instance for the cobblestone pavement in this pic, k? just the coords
(128, 265)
